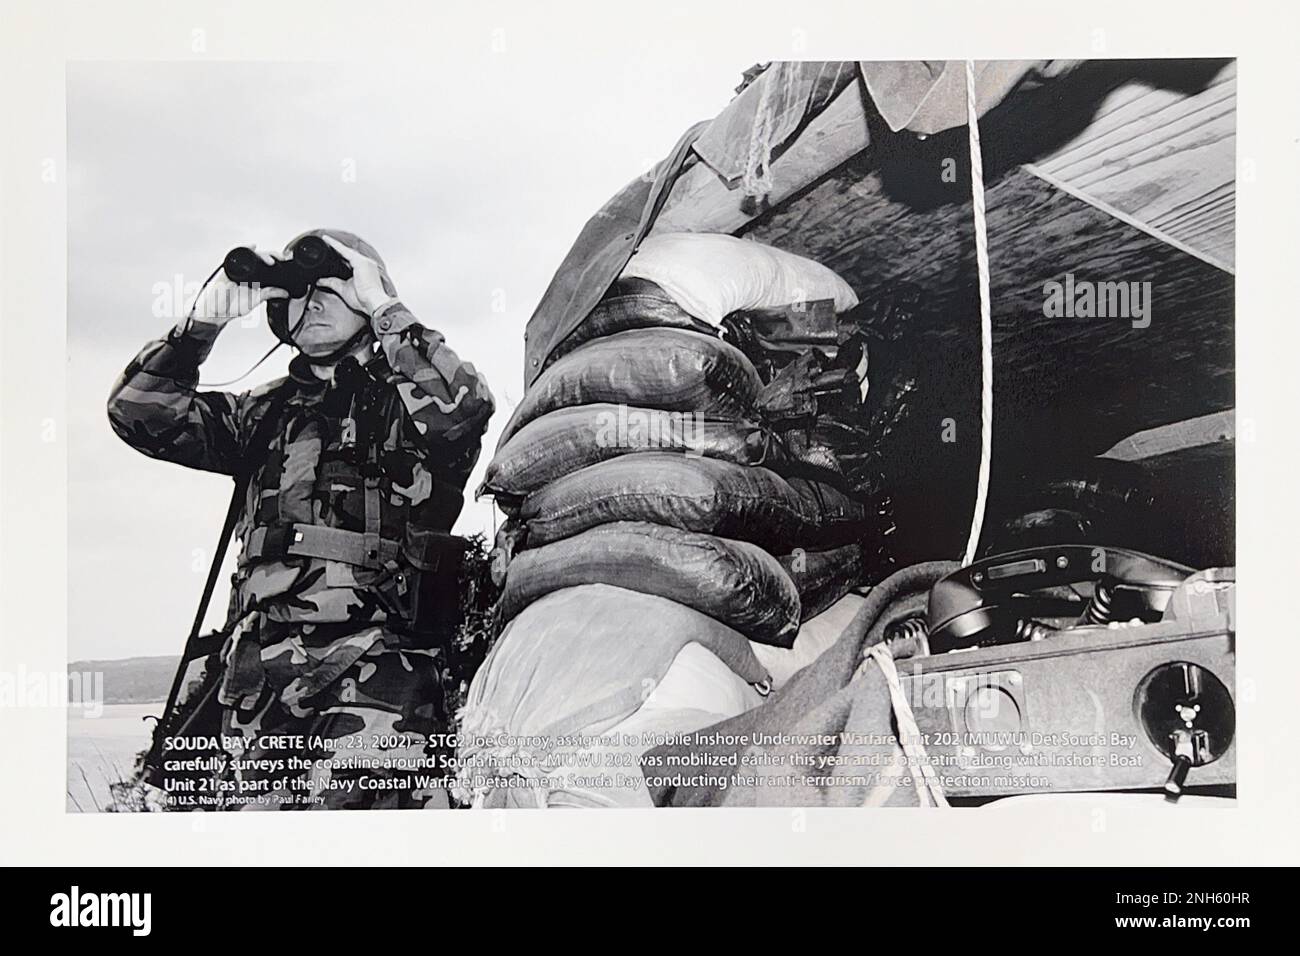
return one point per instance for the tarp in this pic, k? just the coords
(782, 99)
(929, 96)
(601, 251)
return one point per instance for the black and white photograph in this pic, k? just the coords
(643, 414)
(885, 361)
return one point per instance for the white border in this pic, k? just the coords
(38, 38)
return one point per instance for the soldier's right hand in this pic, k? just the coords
(224, 299)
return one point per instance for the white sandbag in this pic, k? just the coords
(711, 275)
(581, 659)
(572, 665)
(696, 691)
(815, 636)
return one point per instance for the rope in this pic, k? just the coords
(928, 788)
(986, 317)
(756, 181)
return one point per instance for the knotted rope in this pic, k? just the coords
(756, 181)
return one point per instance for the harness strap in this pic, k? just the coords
(373, 541)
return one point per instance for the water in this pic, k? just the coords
(102, 750)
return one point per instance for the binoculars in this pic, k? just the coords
(310, 260)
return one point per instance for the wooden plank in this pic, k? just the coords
(702, 202)
(1166, 157)
(1134, 221)
(1213, 429)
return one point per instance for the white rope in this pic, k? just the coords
(986, 317)
(929, 789)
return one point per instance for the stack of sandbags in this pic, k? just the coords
(638, 476)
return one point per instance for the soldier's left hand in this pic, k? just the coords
(366, 279)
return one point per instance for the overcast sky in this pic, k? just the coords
(471, 174)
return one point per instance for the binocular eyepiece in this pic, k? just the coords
(310, 260)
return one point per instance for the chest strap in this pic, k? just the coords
(314, 541)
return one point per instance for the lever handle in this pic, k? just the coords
(1177, 777)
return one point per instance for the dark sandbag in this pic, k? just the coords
(650, 368)
(568, 439)
(747, 503)
(734, 582)
(630, 304)
(823, 577)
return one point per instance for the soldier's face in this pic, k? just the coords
(332, 318)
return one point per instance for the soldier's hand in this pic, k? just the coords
(224, 299)
(366, 279)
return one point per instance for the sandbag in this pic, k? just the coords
(711, 275)
(823, 577)
(696, 691)
(668, 369)
(734, 582)
(747, 503)
(567, 439)
(815, 636)
(630, 304)
(577, 662)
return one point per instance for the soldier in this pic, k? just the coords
(362, 454)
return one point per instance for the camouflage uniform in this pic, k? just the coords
(351, 484)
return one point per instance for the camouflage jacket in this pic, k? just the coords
(350, 482)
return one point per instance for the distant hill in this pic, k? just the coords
(132, 680)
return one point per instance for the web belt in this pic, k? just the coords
(366, 550)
